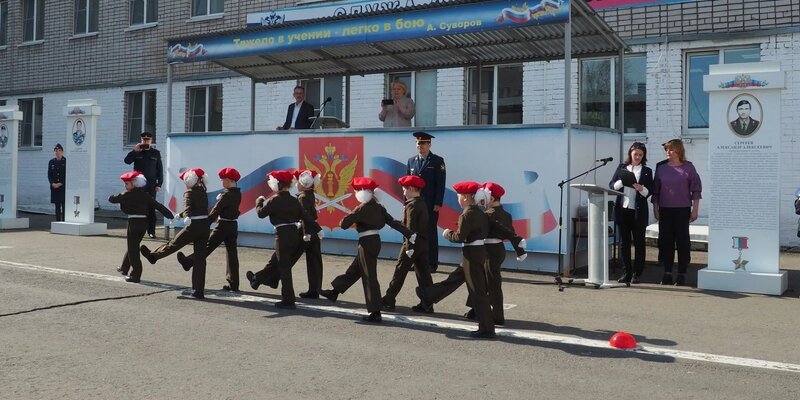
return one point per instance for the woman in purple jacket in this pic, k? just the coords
(676, 203)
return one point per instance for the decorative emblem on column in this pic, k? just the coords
(740, 243)
(77, 202)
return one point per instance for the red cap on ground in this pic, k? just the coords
(623, 340)
(362, 183)
(412, 180)
(468, 187)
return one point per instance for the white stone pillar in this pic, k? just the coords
(10, 118)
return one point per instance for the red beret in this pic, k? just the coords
(281, 175)
(413, 181)
(198, 171)
(363, 182)
(128, 176)
(495, 189)
(468, 187)
(297, 172)
(229, 173)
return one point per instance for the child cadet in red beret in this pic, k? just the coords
(135, 201)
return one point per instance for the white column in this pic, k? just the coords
(10, 118)
(80, 152)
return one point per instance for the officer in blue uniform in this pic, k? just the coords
(431, 169)
(57, 176)
(147, 160)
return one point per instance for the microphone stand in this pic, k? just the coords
(322, 107)
(558, 279)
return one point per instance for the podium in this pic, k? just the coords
(598, 236)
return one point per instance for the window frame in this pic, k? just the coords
(36, 130)
(145, 113)
(37, 30)
(3, 23)
(208, 106)
(337, 110)
(207, 12)
(494, 99)
(91, 15)
(147, 5)
(686, 78)
(613, 92)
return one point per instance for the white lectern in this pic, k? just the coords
(598, 236)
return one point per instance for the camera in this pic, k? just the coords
(387, 102)
(144, 146)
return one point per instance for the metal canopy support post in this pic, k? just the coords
(347, 99)
(568, 128)
(621, 94)
(169, 98)
(252, 105)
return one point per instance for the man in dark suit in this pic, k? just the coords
(431, 169)
(744, 125)
(147, 160)
(297, 117)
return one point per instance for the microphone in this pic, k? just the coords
(605, 160)
(327, 100)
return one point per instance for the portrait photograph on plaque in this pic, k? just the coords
(745, 115)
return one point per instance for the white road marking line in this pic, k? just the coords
(6, 247)
(427, 322)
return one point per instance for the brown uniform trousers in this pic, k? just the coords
(415, 218)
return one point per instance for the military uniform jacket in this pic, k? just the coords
(309, 204)
(195, 202)
(501, 226)
(473, 224)
(283, 208)
(137, 202)
(57, 173)
(227, 206)
(432, 170)
(415, 218)
(148, 162)
(372, 216)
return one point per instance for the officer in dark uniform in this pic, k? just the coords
(431, 169)
(196, 230)
(285, 214)
(134, 202)
(415, 218)
(57, 175)
(224, 213)
(147, 160)
(369, 218)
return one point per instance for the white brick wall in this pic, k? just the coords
(542, 103)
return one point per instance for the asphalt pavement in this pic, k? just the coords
(71, 328)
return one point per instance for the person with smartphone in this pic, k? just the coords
(398, 110)
(147, 160)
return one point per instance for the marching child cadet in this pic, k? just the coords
(369, 217)
(135, 202)
(225, 213)
(195, 218)
(285, 214)
(415, 218)
(311, 245)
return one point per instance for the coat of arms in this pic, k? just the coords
(337, 160)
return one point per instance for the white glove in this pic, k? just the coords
(321, 234)
(298, 225)
(306, 237)
(261, 199)
(187, 221)
(413, 238)
(523, 244)
(444, 234)
(522, 257)
(410, 252)
(219, 196)
(171, 221)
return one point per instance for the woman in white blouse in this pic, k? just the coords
(635, 180)
(401, 110)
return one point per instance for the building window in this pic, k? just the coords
(207, 7)
(495, 96)
(144, 12)
(422, 88)
(319, 89)
(30, 134)
(3, 23)
(86, 16)
(2, 103)
(697, 65)
(140, 115)
(205, 108)
(598, 93)
(33, 20)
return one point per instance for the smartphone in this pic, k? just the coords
(387, 102)
(144, 146)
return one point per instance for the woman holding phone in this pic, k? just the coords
(397, 111)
